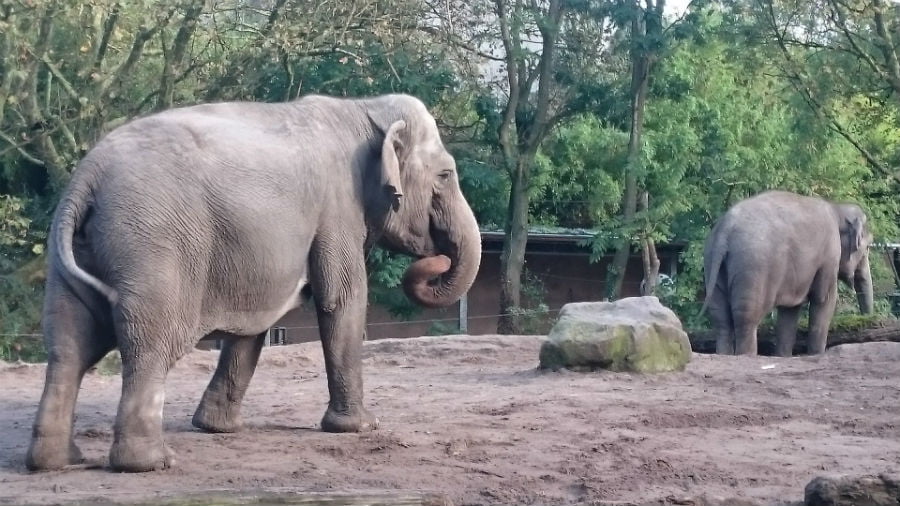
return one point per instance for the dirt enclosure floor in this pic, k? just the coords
(471, 419)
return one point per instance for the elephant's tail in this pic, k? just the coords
(72, 209)
(718, 257)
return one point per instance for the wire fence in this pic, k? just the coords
(525, 312)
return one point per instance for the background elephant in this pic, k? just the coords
(781, 249)
(209, 221)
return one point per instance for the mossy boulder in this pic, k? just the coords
(636, 334)
(882, 490)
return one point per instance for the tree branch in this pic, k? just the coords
(175, 58)
(886, 44)
(549, 28)
(137, 48)
(856, 50)
(108, 26)
(797, 80)
(512, 72)
(66, 85)
(27, 156)
(455, 41)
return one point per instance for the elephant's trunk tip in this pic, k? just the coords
(422, 281)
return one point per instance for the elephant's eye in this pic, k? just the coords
(445, 175)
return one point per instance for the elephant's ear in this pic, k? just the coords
(857, 230)
(391, 150)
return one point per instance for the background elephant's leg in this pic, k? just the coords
(339, 288)
(745, 339)
(75, 343)
(149, 349)
(720, 315)
(220, 408)
(821, 310)
(724, 340)
(786, 330)
(749, 303)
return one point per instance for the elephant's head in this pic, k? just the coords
(855, 240)
(420, 209)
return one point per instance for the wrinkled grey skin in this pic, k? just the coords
(780, 249)
(209, 222)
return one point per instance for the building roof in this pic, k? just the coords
(544, 239)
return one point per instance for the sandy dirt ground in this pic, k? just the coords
(472, 419)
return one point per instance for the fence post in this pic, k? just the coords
(280, 335)
(464, 313)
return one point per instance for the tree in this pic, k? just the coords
(646, 32)
(538, 64)
(831, 51)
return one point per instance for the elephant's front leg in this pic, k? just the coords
(220, 408)
(338, 279)
(786, 330)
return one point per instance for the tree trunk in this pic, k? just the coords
(174, 60)
(519, 140)
(648, 253)
(40, 124)
(512, 262)
(640, 77)
(704, 341)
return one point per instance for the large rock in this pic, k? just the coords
(883, 490)
(634, 334)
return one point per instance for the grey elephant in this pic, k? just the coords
(213, 221)
(780, 249)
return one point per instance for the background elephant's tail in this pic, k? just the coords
(71, 211)
(712, 273)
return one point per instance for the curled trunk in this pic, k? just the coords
(440, 280)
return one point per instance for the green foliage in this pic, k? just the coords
(577, 180)
(20, 312)
(535, 316)
(487, 190)
(725, 117)
(443, 328)
(385, 273)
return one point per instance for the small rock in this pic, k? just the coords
(882, 490)
(635, 334)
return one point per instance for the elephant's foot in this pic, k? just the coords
(218, 416)
(356, 420)
(49, 453)
(140, 454)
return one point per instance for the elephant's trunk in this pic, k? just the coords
(441, 280)
(862, 283)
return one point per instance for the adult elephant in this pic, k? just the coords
(780, 249)
(209, 221)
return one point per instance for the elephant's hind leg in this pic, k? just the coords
(720, 315)
(75, 342)
(220, 408)
(822, 303)
(150, 341)
(748, 310)
(745, 339)
(786, 330)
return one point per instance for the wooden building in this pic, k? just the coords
(559, 270)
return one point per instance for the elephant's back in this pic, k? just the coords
(202, 192)
(779, 241)
(781, 217)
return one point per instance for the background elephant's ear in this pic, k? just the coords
(391, 150)
(857, 233)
